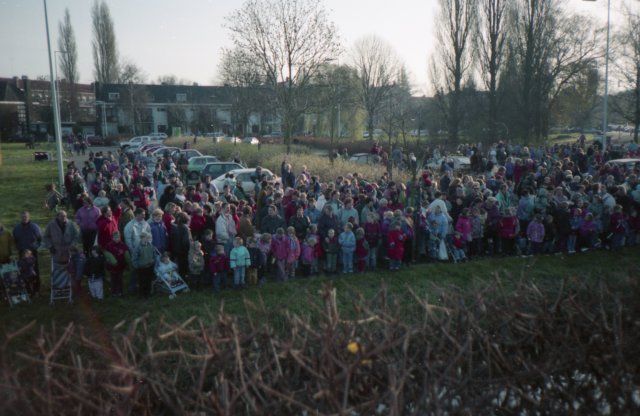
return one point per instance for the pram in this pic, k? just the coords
(15, 288)
(441, 249)
(168, 280)
(60, 283)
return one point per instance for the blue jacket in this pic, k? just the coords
(347, 241)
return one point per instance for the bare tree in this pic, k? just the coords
(491, 37)
(453, 59)
(68, 68)
(242, 76)
(105, 54)
(627, 66)
(291, 40)
(378, 70)
(137, 95)
(335, 99)
(550, 52)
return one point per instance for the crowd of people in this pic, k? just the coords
(516, 200)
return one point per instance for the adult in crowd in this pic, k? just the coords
(181, 242)
(132, 233)
(86, 218)
(59, 235)
(27, 236)
(107, 224)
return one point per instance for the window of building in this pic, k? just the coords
(114, 96)
(181, 97)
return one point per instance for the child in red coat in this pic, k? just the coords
(219, 267)
(395, 246)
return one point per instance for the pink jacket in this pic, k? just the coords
(280, 247)
(464, 227)
(294, 249)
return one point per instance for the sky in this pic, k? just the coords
(184, 38)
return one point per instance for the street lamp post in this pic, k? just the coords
(56, 110)
(606, 81)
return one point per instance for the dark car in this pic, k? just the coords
(216, 169)
(96, 141)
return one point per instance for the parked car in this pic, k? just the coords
(215, 135)
(244, 175)
(459, 162)
(421, 133)
(197, 163)
(273, 135)
(138, 141)
(188, 153)
(161, 151)
(364, 158)
(216, 169)
(162, 136)
(250, 140)
(95, 141)
(376, 133)
(628, 163)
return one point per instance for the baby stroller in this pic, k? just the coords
(15, 288)
(167, 279)
(440, 248)
(60, 283)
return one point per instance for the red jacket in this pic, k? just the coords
(508, 227)
(197, 223)
(362, 248)
(395, 244)
(119, 250)
(107, 226)
(219, 263)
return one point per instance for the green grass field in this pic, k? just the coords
(22, 187)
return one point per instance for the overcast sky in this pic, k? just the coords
(184, 38)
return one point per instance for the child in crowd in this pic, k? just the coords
(433, 239)
(280, 250)
(549, 234)
(239, 260)
(362, 251)
(313, 231)
(588, 232)
(208, 243)
(308, 256)
(458, 244)
(575, 222)
(255, 271)
(618, 227)
(535, 235)
(465, 226)
(27, 270)
(395, 246)
(347, 241)
(331, 247)
(77, 261)
(117, 257)
(167, 270)
(477, 232)
(264, 244)
(293, 252)
(196, 263)
(95, 272)
(372, 235)
(219, 266)
(508, 229)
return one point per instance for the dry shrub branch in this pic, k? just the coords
(568, 349)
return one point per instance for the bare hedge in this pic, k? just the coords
(572, 349)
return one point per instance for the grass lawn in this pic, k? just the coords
(22, 187)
